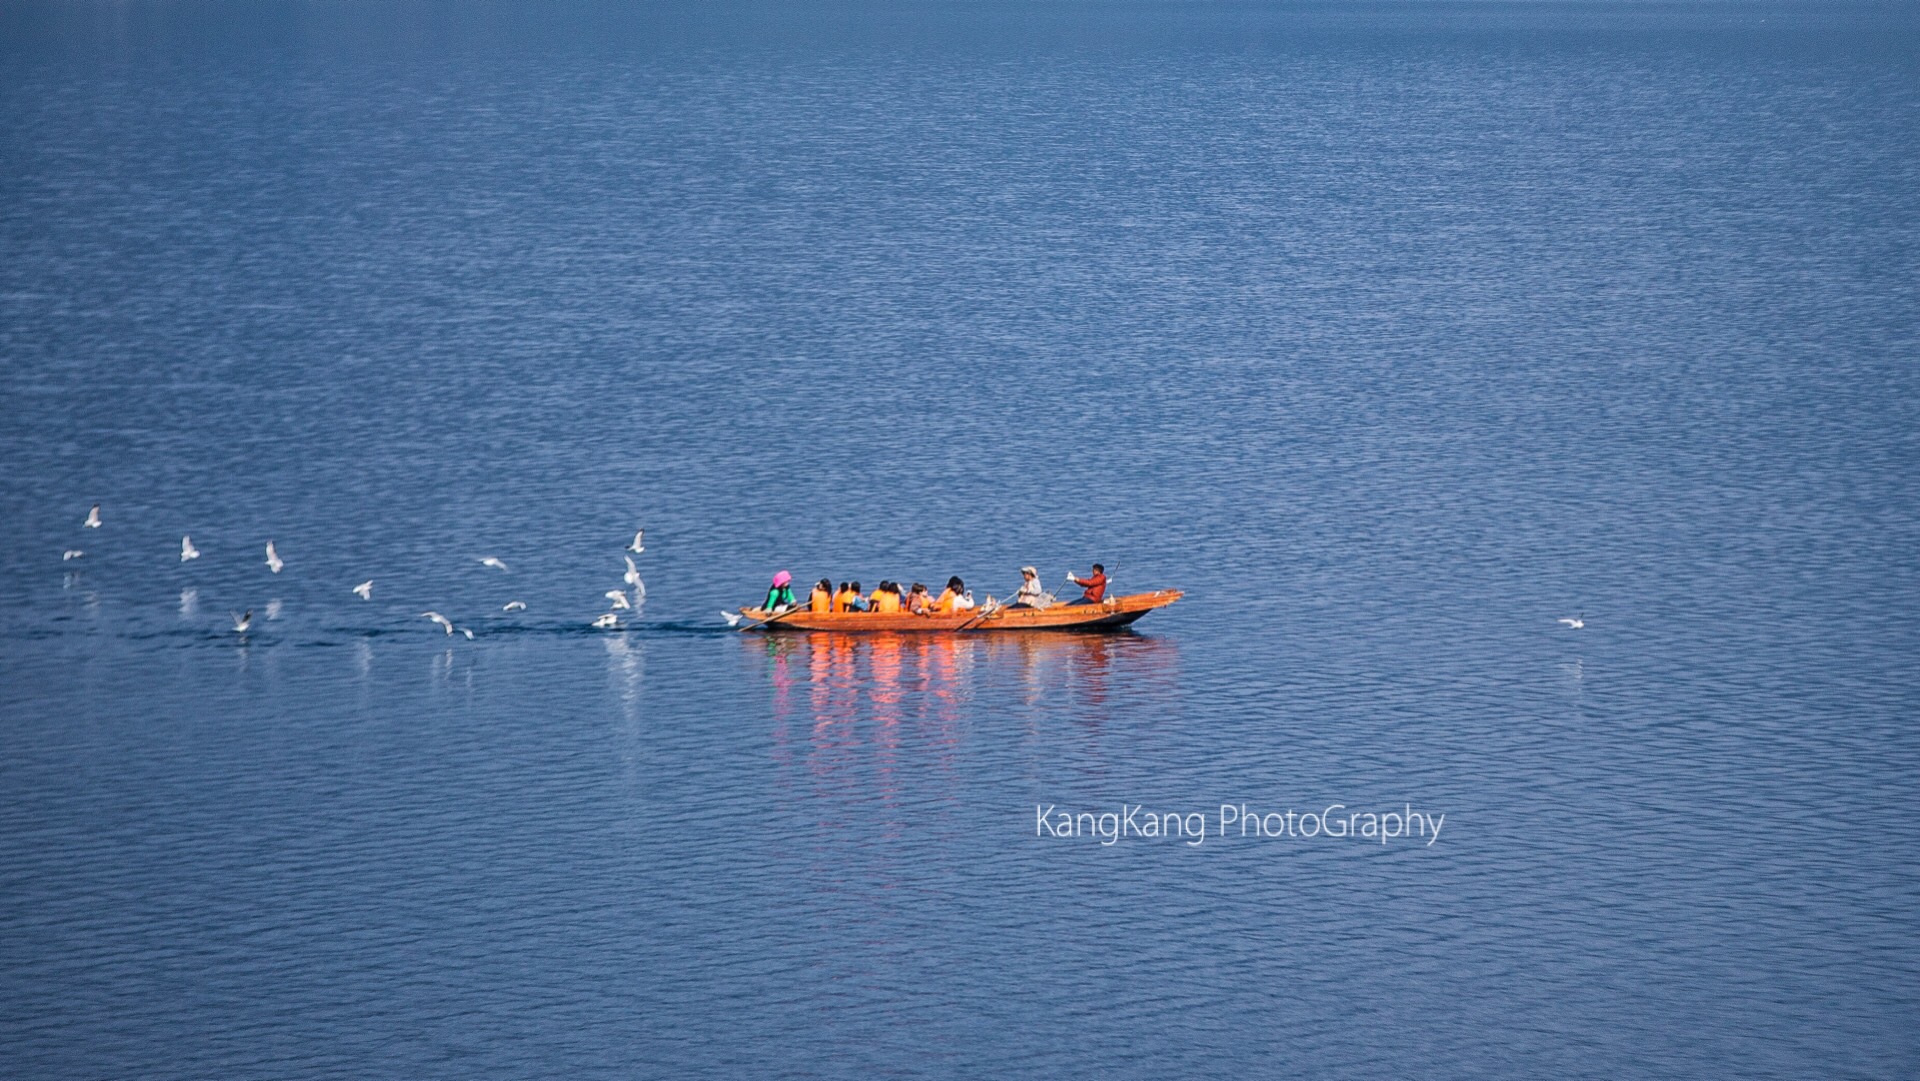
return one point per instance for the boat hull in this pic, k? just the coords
(1115, 612)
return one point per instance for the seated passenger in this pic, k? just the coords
(1032, 594)
(822, 598)
(886, 598)
(855, 602)
(918, 601)
(780, 593)
(954, 598)
(1096, 590)
(843, 599)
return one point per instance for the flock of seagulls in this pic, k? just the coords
(617, 599)
(243, 621)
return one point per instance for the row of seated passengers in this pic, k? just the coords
(888, 597)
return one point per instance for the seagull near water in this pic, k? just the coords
(514, 606)
(1573, 624)
(93, 518)
(606, 622)
(241, 623)
(490, 561)
(632, 577)
(638, 545)
(187, 550)
(732, 618)
(274, 562)
(619, 599)
(440, 619)
(365, 590)
(71, 553)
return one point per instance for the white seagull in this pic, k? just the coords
(732, 618)
(632, 577)
(468, 633)
(365, 590)
(93, 518)
(241, 623)
(618, 598)
(71, 553)
(440, 619)
(187, 550)
(639, 536)
(1574, 624)
(274, 562)
(606, 622)
(496, 564)
(514, 606)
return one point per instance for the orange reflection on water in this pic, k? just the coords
(869, 698)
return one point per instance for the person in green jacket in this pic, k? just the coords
(780, 593)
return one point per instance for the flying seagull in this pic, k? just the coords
(365, 590)
(606, 622)
(639, 536)
(514, 606)
(71, 553)
(1574, 624)
(496, 564)
(187, 550)
(468, 633)
(440, 619)
(274, 562)
(732, 618)
(618, 598)
(93, 518)
(632, 577)
(241, 623)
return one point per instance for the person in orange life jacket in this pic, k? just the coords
(918, 601)
(822, 598)
(841, 598)
(1096, 586)
(954, 598)
(886, 598)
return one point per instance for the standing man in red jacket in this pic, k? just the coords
(1096, 586)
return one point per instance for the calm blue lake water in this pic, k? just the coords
(1393, 333)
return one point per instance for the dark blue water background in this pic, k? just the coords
(1391, 333)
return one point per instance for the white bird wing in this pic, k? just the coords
(93, 517)
(732, 618)
(365, 590)
(514, 606)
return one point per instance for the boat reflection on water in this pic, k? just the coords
(858, 712)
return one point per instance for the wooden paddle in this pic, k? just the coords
(795, 610)
(991, 608)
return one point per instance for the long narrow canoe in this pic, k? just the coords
(1113, 612)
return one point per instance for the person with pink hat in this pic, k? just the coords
(780, 594)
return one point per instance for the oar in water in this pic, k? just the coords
(777, 615)
(991, 608)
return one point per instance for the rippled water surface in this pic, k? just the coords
(1390, 333)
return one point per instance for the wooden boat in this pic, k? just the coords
(1111, 613)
